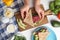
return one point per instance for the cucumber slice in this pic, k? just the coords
(23, 27)
(55, 23)
(36, 37)
(22, 22)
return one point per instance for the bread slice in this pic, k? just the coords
(29, 19)
(43, 35)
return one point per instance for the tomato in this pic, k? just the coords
(58, 15)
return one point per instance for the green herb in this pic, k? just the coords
(19, 37)
(56, 11)
(57, 3)
(51, 6)
(54, 6)
(34, 14)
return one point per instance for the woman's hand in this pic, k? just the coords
(25, 8)
(40, 11)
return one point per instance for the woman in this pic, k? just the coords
(26, 7)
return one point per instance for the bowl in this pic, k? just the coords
(51, 35)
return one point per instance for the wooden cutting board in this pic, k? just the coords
(44, 21)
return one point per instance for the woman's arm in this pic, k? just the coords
(38, 9)
(26, 2)
(36, 2)
(25, 8)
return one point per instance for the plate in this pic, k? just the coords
(51, 35)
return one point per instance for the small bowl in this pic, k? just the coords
(11, 28)
(4, 20)
(9, 12)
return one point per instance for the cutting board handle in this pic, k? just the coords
(47, 12)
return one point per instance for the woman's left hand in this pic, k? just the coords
(40, 11)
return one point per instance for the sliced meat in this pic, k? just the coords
(36, 18)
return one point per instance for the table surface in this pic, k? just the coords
(56, 30)
(28, 33)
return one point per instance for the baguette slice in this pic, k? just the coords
(29, 19)
(42, 35)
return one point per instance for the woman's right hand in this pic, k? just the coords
(25, 8)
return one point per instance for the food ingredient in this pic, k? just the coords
(52, 5)
(58, 15)
(35, 17)
(38, 35)
(21, 24)
(55, 6)
(19, 37)
(55, 23)
(10, 28)
(28, 20)
(8, 2)
(57, 3)
(9, 13)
